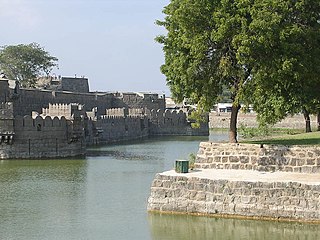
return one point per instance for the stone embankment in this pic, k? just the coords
(304, 159)
(243, 180)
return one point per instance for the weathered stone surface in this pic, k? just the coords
(239, 192)
(221, 120)
(254, 157)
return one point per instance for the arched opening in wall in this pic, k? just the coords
(39, 127)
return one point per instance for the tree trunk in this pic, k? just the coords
(233, 123)
(318, 120)
(307, 119)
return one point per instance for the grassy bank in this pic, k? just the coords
(297, 139)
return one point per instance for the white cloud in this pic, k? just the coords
(18, 12)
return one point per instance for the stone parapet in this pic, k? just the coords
(243, 193)
(303, 159)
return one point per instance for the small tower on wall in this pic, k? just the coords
(78, 124)
(6, 113)
(6, 123)
(4, 90)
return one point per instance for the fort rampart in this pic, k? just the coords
(172, 122)
(120, 128)
(85, 118)
(222, 120)
(42, 138)
(35, 100)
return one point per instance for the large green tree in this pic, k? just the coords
(201, 51)
(264, 51)
(25, 63)
(284, 47)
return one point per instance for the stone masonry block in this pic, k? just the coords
(310, 161)
(224, 159)
(234, 159)
(218, 159)
(306, 169)
(300, 162)
(244, 159)
(316, 169)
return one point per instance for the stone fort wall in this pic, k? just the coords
(121, 124)
(139, 100)
(92, 118)
(35, 100)
(118, 128)
(222, 120)
(63, 110)
(172, 122)
(42, 138)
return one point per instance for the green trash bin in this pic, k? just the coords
(182, 166)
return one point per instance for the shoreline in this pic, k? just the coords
(239, 217)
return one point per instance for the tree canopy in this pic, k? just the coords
(263, 51)
(25, 63)
(283, 48)
(201, 50)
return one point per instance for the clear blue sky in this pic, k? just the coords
(109, 41)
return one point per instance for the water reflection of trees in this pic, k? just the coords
(183, 227)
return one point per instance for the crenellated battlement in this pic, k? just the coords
(42, 137)
(61, 110)
(124, 112)
(116, 112)
(106, 118)
(137, 112)
(114, 119)
(173, 122)
(168, 117)
(168, 112)
(40, 123)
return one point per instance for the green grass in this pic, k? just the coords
(261, 132)
(219, 129)
(297, 139)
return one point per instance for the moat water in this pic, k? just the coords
(104, 196)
